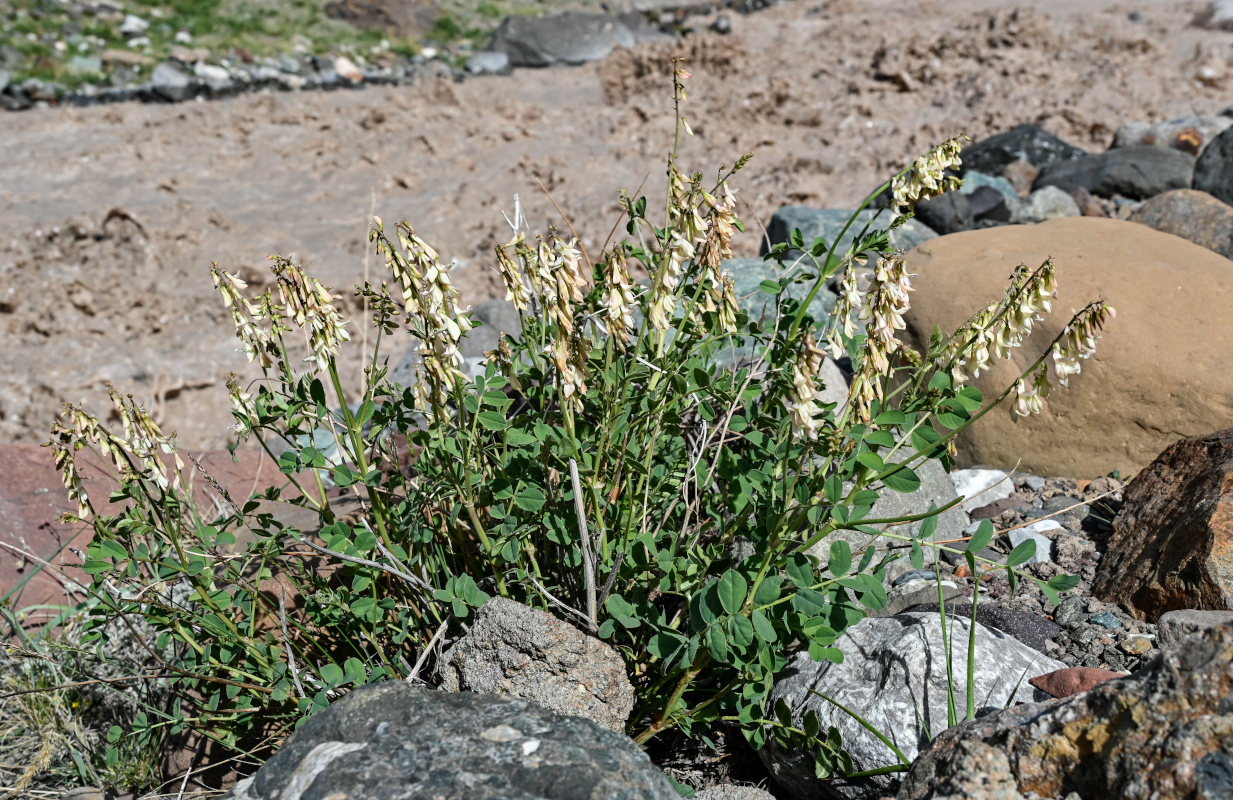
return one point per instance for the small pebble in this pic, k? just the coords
(915, 575)
(1106, 619)
(1136, 645)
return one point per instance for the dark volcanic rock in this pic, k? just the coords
(1026, 142)
(1213, 172)
(395, 741)
(1163, 732)
(1031, 629)
(947, 213)
(1136, 172)
(1172, 543)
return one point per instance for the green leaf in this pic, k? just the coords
(518, 438)
(952, 421)
(741, 631)
(1022, 553)
(771, 287)
(364, 413)
(903, 480)
(732, 591)
(888, 418)
(1064, 583)
(530, 498)
(316, 390)
(841, 558)
(800, 570)
(664, 645)
(939, 381)
(492, 420)
(717, 643)
(809, 602)
(768, 591)
(344, 476)
(981, 539)
(332, 675)
(871, 461)
(763, 627)
(834, 489)
(917, 555)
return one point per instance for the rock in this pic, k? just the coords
(133, 25)
(1044, 204)
(517, 651)
(1217, 16)
(1027, 142)
(1136, 645)
(394, 740)
(488, 62)
(14, 99)
(935, 489)
(1070, 612)
(1188, 134)
(1172, 542)
(894, 669)
(570, 38)
(1038, 532)
(729, 791)
(1031, 629)
(980, 487)
(827, 223)
(915, 575)
(1088, 204)
(916, 595)
(347, 70)
(5, 78)
(217, 79)
(946, 213)
(170, 83)
(1072, 680)
(1020, 174)
(1173, 626)
(411, 19)
(1192, 215)
(990, 205)
(975, 181)
(1135, 171)
(1162, 732)
(126, 58)
(82, 65)
(1106, 619)
(1157, 374)
(748, 274)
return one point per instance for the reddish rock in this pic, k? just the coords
(1072, 680)
(1172, 542)
(1021, 175)
(1192, 215)
(1089, 204)
(32, 498)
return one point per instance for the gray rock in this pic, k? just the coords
(5, 78)
(1164, 731)
(730, 791)
(133, 25)
(1032, 629)
(83, 65)
(1189, 134)
(395, 741)
(973, 181)
(1071, 612)
(217, 79)
(14, 99)
(894, 674)
(1026, 142)
(570, 38)
(827, 223)
(935, 488)
(1217, 16)
(1043, 204)
(1173, 626)
(748, 275)
(980, 487)
(1137, 171)
(518, 651)
(488, 62)
(170, 83)
(1041, 533)
(988, 205)
(914, 595)
(1213, 172)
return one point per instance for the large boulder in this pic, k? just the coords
(894, 676)
(570, 38)
(1213, 172)
(1188, 134)
(1164, 732)
(1172, 542)
(1159, 374)
(1137, 171)
(395, 741)
(1193, 215)
(519, 651)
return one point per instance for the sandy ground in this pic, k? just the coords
(109, 216)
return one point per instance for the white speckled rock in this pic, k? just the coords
(894, 667)
(980, 487)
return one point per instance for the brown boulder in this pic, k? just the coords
(1159, 374)
(1163, 732)
(1193, 215)
(38, 567)
(1072, 680)
(1172, 542)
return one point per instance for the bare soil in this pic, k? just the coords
(109, 216)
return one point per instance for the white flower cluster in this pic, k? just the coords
(1076, 343)
(1002, 325)
(882, 310)
(927, 176)
(256, 341)
(311, 306)
(802, 400)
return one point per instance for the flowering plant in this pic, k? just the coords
(614, 463)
